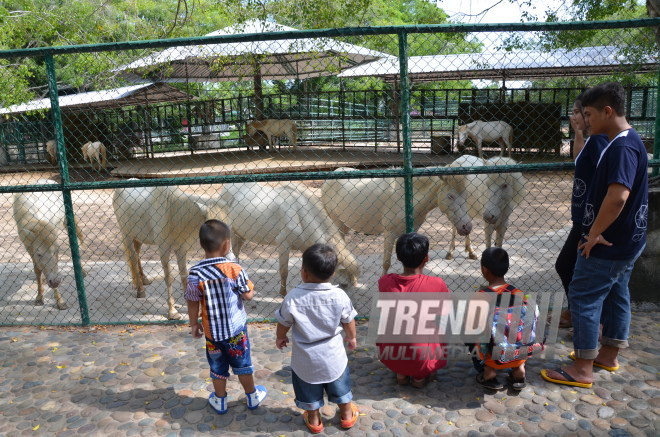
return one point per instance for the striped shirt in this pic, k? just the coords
(218, 284)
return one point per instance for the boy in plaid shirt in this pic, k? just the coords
(219, 287)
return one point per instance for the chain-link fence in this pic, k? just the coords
(344, 136)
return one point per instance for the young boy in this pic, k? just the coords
(614, 227)
(413, 251)
(494, 265)
(221, 286)
(314, 311)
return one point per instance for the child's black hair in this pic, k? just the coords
(609, 94)
(212, 234)
(411, 249)
(496, 260)
(320, 260)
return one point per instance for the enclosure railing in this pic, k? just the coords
(406, 168)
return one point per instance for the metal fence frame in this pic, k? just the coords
(408, 172)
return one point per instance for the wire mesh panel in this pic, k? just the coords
(294, 139)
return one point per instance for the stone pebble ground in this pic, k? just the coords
(153, 380)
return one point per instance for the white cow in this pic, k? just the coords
(288, 216)
(39, 219)
(492, 197)
(480, 131)
(471, 187)
(273, 129)
(51, 151)
(166, 217)
(505, 192)
(377, 206)
(95, 152)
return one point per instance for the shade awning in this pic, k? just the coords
(298, 58)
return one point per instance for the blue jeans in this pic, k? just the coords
(233, 351)
(310, 396)
(599, 291)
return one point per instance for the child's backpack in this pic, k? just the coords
(502, 349)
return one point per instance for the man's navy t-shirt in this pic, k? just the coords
(624, 161)
(585, 167)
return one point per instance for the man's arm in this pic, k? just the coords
(578, 143)
(281, 340)
(613, 203)
(351, 334)
(193, 317)
(247, 295)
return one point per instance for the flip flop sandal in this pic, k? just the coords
(516, 384)
(314, 429)
(491, 384)
(349, 423)
(602, 366)
(568, 381)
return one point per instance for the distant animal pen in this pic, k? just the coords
(110, 238)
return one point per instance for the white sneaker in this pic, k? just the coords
(254, 399)
(219, 404)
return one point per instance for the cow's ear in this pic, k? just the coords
(203, 208)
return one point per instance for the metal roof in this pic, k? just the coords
(297, 58)
(521, 64)
(111, 98)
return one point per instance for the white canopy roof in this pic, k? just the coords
(298, 58)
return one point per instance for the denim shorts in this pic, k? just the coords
(599, 293)
(310, 396)
(233, 351)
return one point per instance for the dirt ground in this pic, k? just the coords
(544, 211)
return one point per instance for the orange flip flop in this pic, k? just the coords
(568, 381)
(314, 429)
(349, 423)
(602, 366)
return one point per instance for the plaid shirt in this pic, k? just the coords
(218, 283)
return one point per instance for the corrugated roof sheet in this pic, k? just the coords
(111, 98)
(520, 64)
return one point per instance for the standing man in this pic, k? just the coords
(614, 227)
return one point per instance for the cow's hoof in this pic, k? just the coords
(146, 281)
(283, 292)
(472, 256)
(62, 306)
(141, 294)
(174, 315)
(449, 256)
(39, 301)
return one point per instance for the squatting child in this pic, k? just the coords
(315, 312)
(494, 265)
(412, 250)
(218, 287)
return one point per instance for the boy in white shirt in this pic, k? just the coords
(316, 311)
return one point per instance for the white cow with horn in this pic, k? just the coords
(480, 131)
(491, 197)
(288, 216)
(168, 218)
(377, 206)
(39, 219)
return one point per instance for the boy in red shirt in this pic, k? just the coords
(413, 251)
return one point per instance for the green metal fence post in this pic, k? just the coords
(404, 97)
(656, 142)
(66, 191)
